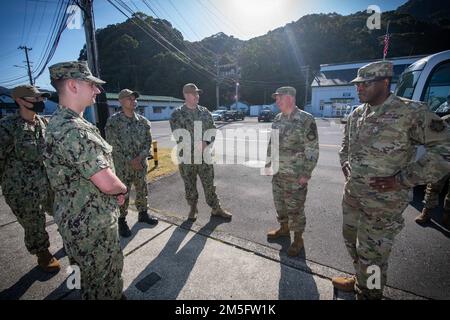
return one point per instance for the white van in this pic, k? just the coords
(428, 80)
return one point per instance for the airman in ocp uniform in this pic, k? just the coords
(298, 153)
(377, 154)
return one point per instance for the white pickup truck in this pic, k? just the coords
(428, 80)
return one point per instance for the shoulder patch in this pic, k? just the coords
(312, 132)
(437, 125)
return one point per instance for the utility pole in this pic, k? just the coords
(101, 113)
(237, 92)
(305, 71)
(28, 61)
(217, 83)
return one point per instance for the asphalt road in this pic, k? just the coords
(419, 261)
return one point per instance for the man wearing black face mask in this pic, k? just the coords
(22, 173)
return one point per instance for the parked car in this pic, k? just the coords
(233, 115)
(266, 116)
(218, 115)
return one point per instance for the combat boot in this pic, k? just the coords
(424, 217)
(446, 219)
(346, 284)
(283, 231)
(48, 262)
(296, 246)
(124, 230)
(219, 212)
(145, 217)
(193, 213)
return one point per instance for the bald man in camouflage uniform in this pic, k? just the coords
(130, 136)
(185, 118)
(432, 192)
(22, 172)
(87, 192)
(298, 153)
(377, 154)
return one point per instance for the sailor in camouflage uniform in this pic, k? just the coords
(377, 158)
(186, 117)
(298, 152)
(87, 192)
(22, 173)
(432, 193)
(130, 136)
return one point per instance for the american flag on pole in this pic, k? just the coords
(386, 42)
(386, 45)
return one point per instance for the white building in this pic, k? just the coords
(151, 107)
(332, 92)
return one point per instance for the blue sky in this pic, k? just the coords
(28, 22)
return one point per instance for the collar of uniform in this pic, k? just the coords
(378, 109)
(186, 108)
(124, 116)
(292, 114)
(69, 111)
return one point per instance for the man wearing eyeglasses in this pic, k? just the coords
(87, 192)
(377, 158)
(22, 173)
(130, 136)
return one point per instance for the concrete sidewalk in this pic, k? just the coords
(175, 259)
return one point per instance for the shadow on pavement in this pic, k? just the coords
(17, 290)
(180, 261)
(291, 285)
(134, 231)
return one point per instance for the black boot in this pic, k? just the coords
(124, 230)
(145, 217)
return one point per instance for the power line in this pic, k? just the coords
(40, 25)
(219, 16)
(184, 58)
(32, 23)
(24, 21)
(60, 29)
(189, 46)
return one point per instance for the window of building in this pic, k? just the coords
(158, 109)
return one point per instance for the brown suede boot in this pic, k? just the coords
(346, 284)
(296, 245)
(446, 219)
(47, 261)
(219, 212)
(282, 231)
(424, 217)
(193, 213)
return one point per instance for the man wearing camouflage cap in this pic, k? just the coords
(378, 148)
(185, 118)
(22, 173)
(298, 152)
(130, 136)
(87, 192)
